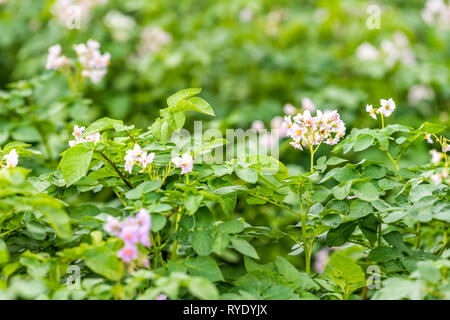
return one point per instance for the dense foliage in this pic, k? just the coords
(105, 195)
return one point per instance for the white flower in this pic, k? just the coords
(54, 59)
(428, 138)
(307, 130)
(78, 132)
(152, 39)
(419, 93)
(93, 62)
(146, 159)
(246, 15)
(387, 107)
(186, 163)
(307, 104)
(437, 178)
(12, 159)
(289, 109)
(257, 125)
(435, 157)
(367, 52)
(371, 111)
(277, 125)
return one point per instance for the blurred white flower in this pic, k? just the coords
(435, 157)
(437, 13)
(367, 52)
(307, 104)
(152, 39)
(246, 15)
(12, 159)
(257, 125)
(371, 111)
(428, 138)
(289, 109)
(63, 9)
(419, 93)
(94, 64)
(119, 24)
(54, 59)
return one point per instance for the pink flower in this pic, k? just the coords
(321, 259)
(428, 138)
(130, 234)
(162, 296)
(54, 59)
(186, 163)
(128, 253)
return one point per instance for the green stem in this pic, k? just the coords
(444, 241)
(117, 170)
(418, 227)
(382, 123)
(380, 222)
(175, 242)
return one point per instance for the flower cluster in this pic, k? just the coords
(137, 155)
(132, 231)
(12, 159)
(436, 12)
(119, 24)
(386, 108)
(55, 60)
(94, 64)
(419, 93)
(306, 130)
(390, 51)
(185, 162)
(68, 10)
(78, 132)
(152, 39)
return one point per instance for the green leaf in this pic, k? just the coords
(429, 271)
(173, 100)
(4, 253)
(365, 191)
(339, 236)
(101, 124)
(202, 243)
(300, 280)
(359, 209)
(75, 162)
(278, 292)
(232, 226)
(363, 142)
(345, 273)
(342, 190)
(192, 202)
(56, 216)
(203, 289)
(158, 222)
(143, 188)
(196, 104)
(205, 267)
(174, 117)
(335, 160)
(383, 254)
(103, 261)
(228, 203)
(247, 174)
(244, 247)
